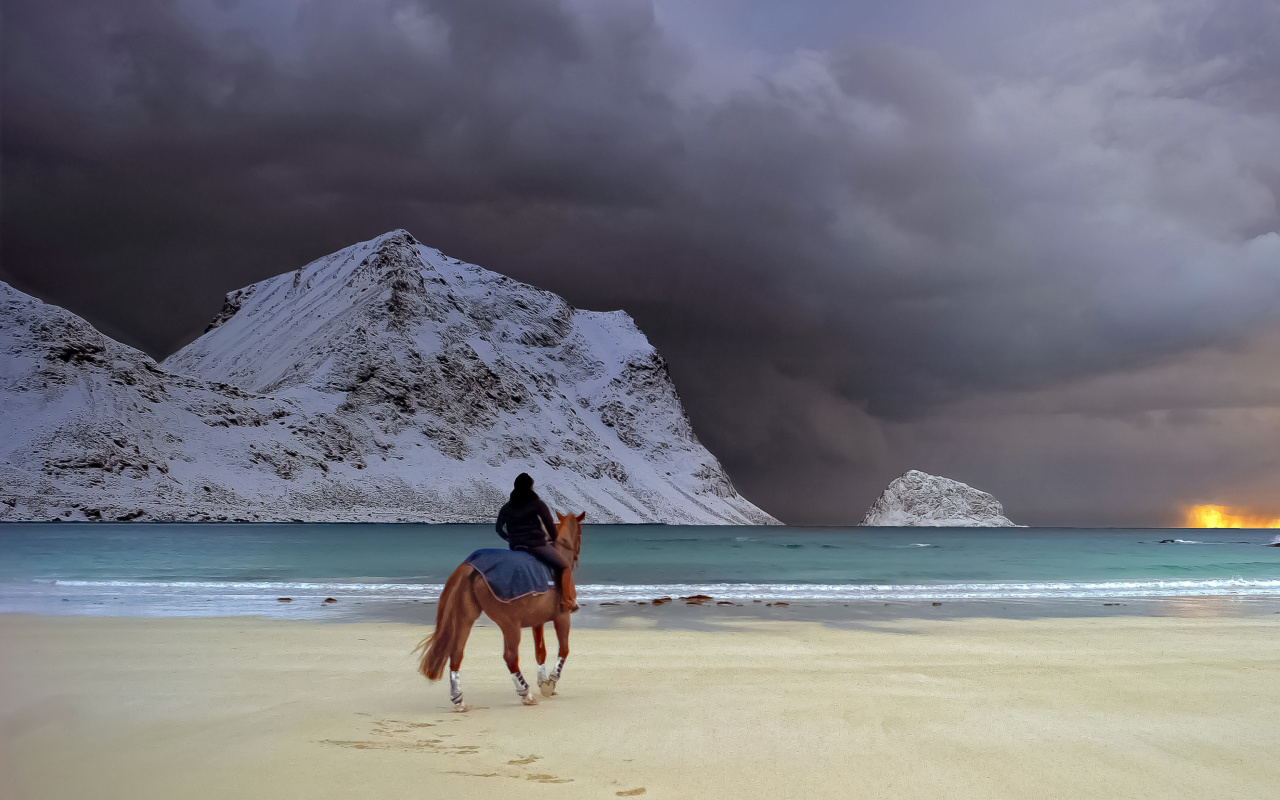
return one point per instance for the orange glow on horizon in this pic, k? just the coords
(1225, 517)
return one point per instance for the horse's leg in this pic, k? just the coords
(540, 649)
(561, 622)
(468, 612)
(511, 654)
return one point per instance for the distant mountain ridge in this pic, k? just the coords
(383, 382)
(920, 499)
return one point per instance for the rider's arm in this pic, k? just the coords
(544, 514)
(501, 524)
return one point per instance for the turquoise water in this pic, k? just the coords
(203, 569)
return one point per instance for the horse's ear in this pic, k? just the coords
(582, 516)
(560, 517)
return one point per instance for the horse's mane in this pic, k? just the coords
(576, 524)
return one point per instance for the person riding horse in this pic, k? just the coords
(467, 594)
(525, 523)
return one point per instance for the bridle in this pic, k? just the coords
(577, 548)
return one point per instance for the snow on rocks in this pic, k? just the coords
(920, 499)
(385, 382)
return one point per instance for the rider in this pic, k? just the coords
(525, 523)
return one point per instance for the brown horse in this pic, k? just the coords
(466, 594)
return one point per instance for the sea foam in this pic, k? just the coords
(306, 598)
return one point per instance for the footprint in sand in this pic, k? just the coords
(388, 727)
(538, 778)
(398, 734)
(631, 792)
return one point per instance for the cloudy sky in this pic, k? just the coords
(1032, 245)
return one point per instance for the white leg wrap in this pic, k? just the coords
(542, 672)
(522, 688)
(455, 687)
(555, 674)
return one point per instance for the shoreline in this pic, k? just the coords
(961, 708)
(668, 611)
(711, 614)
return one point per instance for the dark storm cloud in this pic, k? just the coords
(820, 240)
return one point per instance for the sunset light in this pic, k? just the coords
(1226, 517)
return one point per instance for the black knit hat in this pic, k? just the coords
(523, 492)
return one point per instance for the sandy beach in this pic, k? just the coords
(1128, 707)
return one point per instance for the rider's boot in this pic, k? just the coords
(568, 592)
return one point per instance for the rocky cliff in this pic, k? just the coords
(383, 382)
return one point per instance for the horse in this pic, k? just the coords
(466, 595)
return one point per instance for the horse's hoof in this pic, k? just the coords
(529, 699)
(547, 687)
(461, 708)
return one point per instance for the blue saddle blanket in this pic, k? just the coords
(510, 573)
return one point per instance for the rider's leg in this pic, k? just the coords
(564, 576)
(568, 591)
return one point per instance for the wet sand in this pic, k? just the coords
(1103, 707)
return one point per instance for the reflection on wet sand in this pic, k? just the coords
(1201, 607)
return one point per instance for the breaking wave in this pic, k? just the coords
(306, 599)
(945, 591)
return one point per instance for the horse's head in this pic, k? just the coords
(569, 532)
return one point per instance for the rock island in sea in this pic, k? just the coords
(920, 499)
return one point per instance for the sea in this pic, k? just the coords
(391, 571)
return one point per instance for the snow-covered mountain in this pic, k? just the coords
(383, 382)
(918, 498)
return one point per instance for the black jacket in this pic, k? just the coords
(521, 522)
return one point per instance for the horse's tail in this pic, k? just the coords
(449, 620)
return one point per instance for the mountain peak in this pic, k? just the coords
(450, 373)
(399, 234)
(384, 382)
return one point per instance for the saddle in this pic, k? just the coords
(510, 573)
